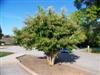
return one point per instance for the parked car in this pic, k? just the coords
(2, 43)
(64, 50)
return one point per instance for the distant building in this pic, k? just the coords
(6, 40)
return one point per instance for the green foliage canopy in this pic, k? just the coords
(49, 32)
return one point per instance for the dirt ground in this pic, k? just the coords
(40, 66)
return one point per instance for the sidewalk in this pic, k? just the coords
(9, 66)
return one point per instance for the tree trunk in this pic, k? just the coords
(51, 60)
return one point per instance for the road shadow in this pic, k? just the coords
(66, 58)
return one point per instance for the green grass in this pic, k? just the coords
(95, 50)
(2, 54)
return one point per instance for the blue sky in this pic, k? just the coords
(14, 12)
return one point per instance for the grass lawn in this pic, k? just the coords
(2, 54)
(95, 50)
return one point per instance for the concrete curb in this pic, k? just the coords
(27, 69)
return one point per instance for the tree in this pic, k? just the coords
(49, 32)
(92, 32)
(96, 34)
(1, 33)
(91, 7)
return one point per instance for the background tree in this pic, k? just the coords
(91, 7)
(91, 10)
(49, 32)
(1, 33)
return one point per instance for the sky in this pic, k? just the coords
(14, 12)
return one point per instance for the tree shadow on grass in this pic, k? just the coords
(66, 58)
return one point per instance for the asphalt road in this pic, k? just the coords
(88, 61)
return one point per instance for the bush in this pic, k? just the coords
(95, 50)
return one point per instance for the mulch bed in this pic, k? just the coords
(40, 66)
